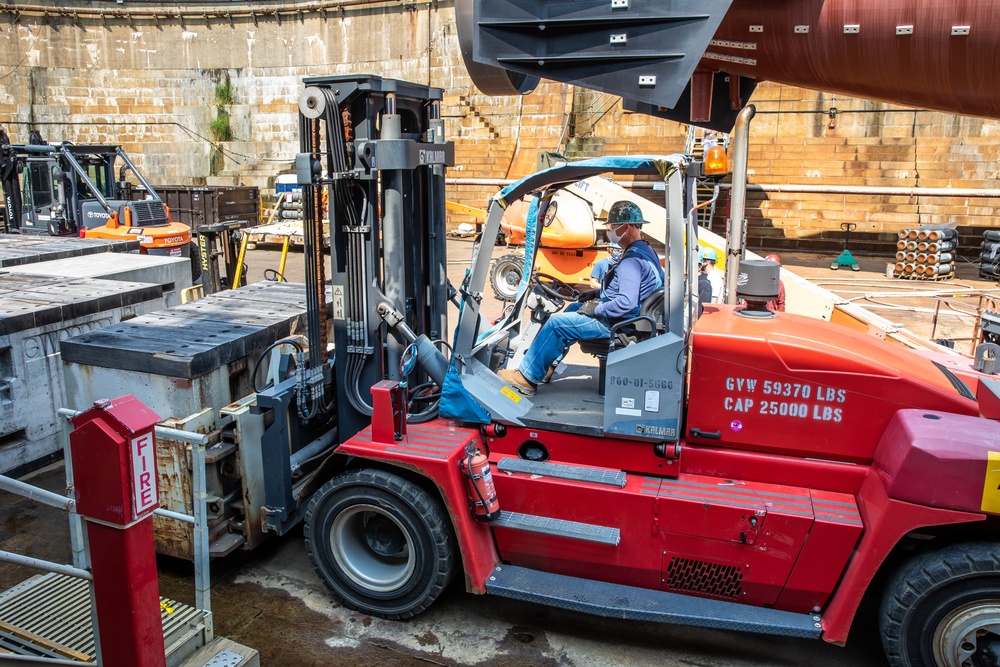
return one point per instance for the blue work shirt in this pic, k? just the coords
(600, 268)
(634, 278)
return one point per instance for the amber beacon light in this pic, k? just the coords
(716, 162)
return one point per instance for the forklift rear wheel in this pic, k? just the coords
(382, 544)
(506, 276)
(942, 609)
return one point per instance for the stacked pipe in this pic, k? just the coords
(989, 255)
(926, 254)
(290, 206)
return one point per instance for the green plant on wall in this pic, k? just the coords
(220, 128)
(223, 94)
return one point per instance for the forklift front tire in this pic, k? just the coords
(382, 544)
(942, 608)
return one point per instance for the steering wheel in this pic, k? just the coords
(555, 288)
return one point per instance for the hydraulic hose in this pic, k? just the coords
(284, 341)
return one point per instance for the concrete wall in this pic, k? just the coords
(153, 86)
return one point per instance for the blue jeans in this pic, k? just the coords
(553, 340)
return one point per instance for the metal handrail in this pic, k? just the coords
(202, 557)
(44, 565)
(80, 555)
(45, 497)
(67, 505)
(37, 494)
(987, 301)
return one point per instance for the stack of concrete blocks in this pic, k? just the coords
(184, 359)
(926, 254)
(51, 290)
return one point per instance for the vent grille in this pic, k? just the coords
(149, 213)
(704, 578)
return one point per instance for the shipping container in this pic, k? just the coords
(212, 208)
(215, 215)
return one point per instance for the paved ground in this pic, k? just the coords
(272, 600)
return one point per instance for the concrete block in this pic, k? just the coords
(185, 359)
(36, 313)
(173, 274)
(21, 250)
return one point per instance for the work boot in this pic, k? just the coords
(517, 381)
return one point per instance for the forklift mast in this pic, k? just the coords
(378, 146)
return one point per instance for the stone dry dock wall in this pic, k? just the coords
(206, 94)
(797, 139)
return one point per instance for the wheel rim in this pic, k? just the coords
(967, 635)
(372, 548)
(508, 278)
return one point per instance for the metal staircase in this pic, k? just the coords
(50, 616)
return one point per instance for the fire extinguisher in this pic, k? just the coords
(479, 484)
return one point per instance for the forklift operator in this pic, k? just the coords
(636, 275)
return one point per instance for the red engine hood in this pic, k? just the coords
(802, 386)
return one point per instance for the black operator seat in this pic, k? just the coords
(648, 323)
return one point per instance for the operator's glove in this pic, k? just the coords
(588, 309)
(589, 295)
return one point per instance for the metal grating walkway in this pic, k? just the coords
(57, 608)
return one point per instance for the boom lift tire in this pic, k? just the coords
(382, 544)
(195, 252)
(506, 275)
(942, 608)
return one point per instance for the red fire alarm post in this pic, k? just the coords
(113, 450)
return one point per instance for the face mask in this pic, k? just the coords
(616, 254)
(613, 237)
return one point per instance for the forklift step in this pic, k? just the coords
(558, 527)
(627, 602)
(576, 473)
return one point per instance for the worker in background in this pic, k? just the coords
(704, 285)
(779, 303)
(626, 284)
(602, 265)
(715, 276)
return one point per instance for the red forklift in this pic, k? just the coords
(745, 470)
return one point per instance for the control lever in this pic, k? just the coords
(429, 358)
